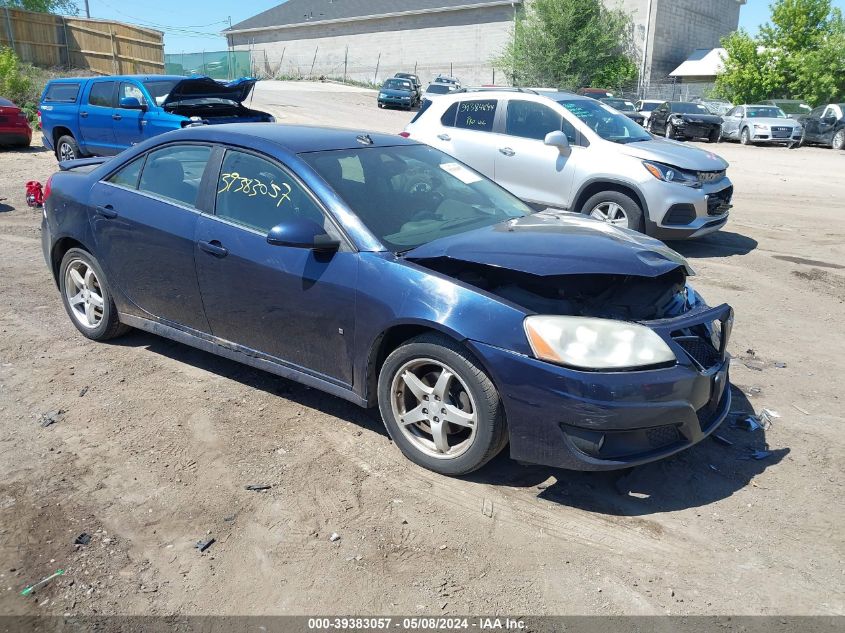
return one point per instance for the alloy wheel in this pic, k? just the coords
(84, 294)
(610, 212)
(434, 408)
(66, 152)
(670, 130)
(839, 140)
(745, 138)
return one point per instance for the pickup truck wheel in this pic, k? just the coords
(67, 148)
(615, 208)
(87, 298)
(440, 407)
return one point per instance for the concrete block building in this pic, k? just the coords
(370, 40)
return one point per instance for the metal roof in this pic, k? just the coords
(302, 12)
(703, 62)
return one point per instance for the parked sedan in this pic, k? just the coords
(14, 125)
(684, 120)
(750, 124)
(399, 93)
(387, 273)
(826, 126)
(625, 107)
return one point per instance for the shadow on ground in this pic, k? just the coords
(32, 149)
(705, 473)
(718, 244)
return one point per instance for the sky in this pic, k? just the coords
(192, 25)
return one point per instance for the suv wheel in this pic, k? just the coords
(838, 140)
(86, 296)
(615, 208)
(67, 148)
(440, 408)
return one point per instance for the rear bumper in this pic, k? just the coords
(15, 136)
(607, 420)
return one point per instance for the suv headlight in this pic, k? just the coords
(589, 343)
(668, 173)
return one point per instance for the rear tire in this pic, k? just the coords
(838, 141)
(67, 149)
(467, 392)
(612, 206)
(87, 297)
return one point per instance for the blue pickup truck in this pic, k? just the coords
(101, 116)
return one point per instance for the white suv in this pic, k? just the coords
(574, 153)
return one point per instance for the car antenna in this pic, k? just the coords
(364, 139)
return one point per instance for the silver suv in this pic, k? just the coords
(570, 152)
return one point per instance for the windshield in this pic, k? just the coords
(438, 88)
(793, 107)
(397, 84)
(413, 194)
(717, 107)
(620, 104)
(764, 112)
(160, 88)
(648, 107)
(689, 108)
(605, 121)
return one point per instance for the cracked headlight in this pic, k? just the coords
(588, 343)
(668, 173)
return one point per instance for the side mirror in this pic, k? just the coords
(829, 120)
(557, 139)
(131, 103)
(302, 233)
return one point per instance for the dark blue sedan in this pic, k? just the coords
(387, 273)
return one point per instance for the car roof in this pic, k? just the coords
(294, 138)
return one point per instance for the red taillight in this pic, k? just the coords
(48, 188)
(38, 114)
(405, 134)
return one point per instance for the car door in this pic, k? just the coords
(144, 221)
(293, 304)
(826, 124)
(129, 124)
(524, 164)
(731, 122)
(95, 117)
(812, 125)
(467, 135)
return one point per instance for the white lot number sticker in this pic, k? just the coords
(460, 172)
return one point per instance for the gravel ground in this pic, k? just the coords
(156, 442)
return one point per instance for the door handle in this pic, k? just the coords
(84, 115)
(214, 248)
(444, 137)
(507, 151)
(107, 211)
(116, 117)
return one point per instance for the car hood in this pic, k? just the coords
(676, 154)
(392, 92)
(710, 119)
(552, 244)
(206, 87)
(773, 121)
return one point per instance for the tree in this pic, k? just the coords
(66, 7)
(798, 54)
(570, 43)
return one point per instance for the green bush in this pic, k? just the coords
(18, 82)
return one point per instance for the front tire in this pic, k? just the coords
(715, 136)
(615, 208)
(670, 131)
(745, 136)
(87, 297)
(838, 141)
(67, 148)
(440, 407)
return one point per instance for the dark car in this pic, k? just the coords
(825, 126)
(387, 273)
(625, 107)
(685, 120)
(398, 93)
(414, 79)
(14, 125)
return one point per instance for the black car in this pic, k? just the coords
(625, 107)
(825, 125)
(685, 120)
(415, 81)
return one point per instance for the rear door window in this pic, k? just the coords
(102, 94)
(175, 172)
(61, 93)
(477, 115)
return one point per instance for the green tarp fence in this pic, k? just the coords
(214, 64)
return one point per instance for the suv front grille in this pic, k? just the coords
(720, 201)
(711, 176)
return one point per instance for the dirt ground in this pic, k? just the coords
(156, 442)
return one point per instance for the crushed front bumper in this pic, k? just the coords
(580, 420)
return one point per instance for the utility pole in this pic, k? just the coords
(87, 10)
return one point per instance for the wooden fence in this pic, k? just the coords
(101, 46)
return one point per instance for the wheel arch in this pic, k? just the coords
(60, 131)
(597, 185)
(57, 253)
